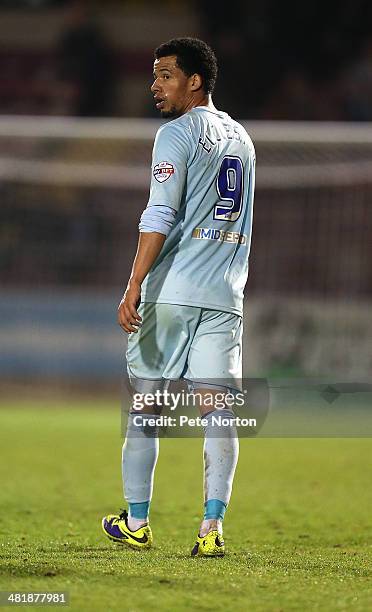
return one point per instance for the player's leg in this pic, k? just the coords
(214, 363)
(139, 456)
(156, 353)
(141, 445)
(220, 454)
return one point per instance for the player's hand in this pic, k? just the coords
(128, 317)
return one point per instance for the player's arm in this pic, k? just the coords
(156, 223)
(149, 247)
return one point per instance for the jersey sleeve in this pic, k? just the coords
(170, 157)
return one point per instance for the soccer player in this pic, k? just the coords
(183, 304)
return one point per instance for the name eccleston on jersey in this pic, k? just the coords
(203, 233)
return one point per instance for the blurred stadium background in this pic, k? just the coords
(76, 131)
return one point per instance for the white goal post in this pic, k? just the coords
(270, 134)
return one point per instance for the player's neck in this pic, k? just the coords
(208, 103)
(201, 100)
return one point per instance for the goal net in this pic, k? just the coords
(72, 192)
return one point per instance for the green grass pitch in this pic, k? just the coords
(298, 529)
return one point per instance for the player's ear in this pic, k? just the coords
(196, 82)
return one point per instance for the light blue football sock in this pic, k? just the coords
(139, 457)
(221, 451)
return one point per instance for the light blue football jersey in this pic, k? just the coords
(203, 166)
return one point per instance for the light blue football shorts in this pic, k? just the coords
(197, 344)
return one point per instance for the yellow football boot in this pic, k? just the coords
(211, 545)
(115, 527)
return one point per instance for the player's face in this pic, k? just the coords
(171, 88)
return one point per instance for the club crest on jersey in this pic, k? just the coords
(163, 171)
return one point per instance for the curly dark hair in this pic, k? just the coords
(194, 56)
